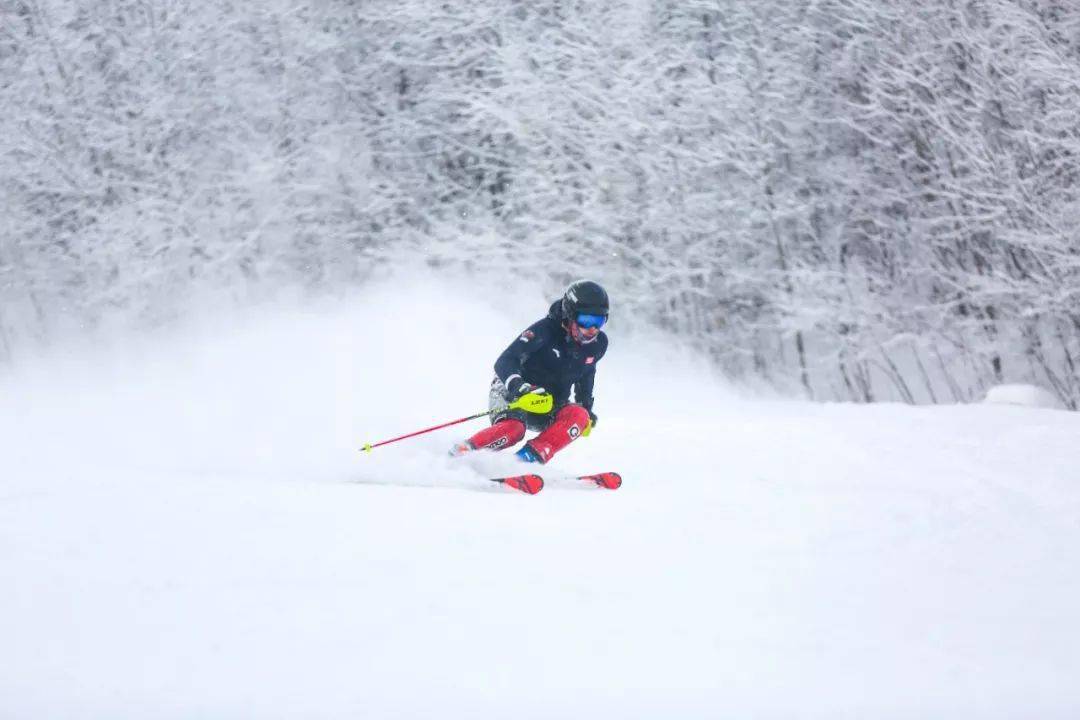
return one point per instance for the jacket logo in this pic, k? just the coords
(557, 353)
(589, 360)
(527, 336)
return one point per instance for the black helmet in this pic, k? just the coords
(584, 296)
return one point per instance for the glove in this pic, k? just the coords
(592, 423)
(520, 387)
(530, 398)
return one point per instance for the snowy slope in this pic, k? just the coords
(187, 530)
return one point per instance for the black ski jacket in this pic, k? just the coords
(545, 354)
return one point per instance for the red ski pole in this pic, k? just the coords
(370, 446)
(537, 401)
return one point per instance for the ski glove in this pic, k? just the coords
(520, 388)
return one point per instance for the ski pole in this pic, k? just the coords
(370, 446)
(539, 403)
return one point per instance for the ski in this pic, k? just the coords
(607, 480)
(530, 484)
(533, 484)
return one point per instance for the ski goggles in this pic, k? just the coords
(587, 321)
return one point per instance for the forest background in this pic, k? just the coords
(846, 199)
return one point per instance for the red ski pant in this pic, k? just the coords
(565, 427)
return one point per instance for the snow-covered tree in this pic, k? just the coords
(850, 198)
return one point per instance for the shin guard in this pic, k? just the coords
(501, 435)
(567, 427)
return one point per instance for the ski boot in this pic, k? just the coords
(459, 449)
(527, 454)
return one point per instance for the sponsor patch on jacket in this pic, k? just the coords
(527, 336)
(589, 360)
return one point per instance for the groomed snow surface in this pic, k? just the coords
(188, 531)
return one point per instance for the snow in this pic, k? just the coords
(1021, 394)
(188, 530)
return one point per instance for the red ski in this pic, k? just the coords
(609, 480)
(530, 484)
(533, 484)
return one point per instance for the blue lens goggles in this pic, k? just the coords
(588, 321)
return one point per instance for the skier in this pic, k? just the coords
(553, 355)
